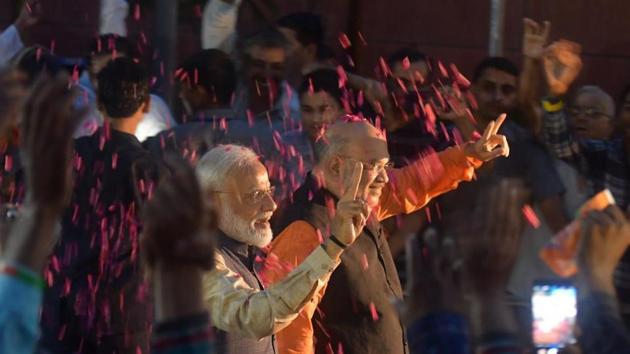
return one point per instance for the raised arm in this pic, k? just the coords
(218, 25)
(46, 133)
(562, 64)
(535, 38)
(412, 187)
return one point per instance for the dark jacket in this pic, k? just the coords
(239, 258)
(97, 301)
(355, 312)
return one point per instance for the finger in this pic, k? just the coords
(604, 218)
(352, 181)
(546, 29)
(498, 123)
(529, 25)
(349, 211)
(615, 213)
(488, 132)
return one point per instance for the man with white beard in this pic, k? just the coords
(237, 184)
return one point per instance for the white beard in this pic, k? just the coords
(240, 230)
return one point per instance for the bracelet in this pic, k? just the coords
(552, 106)
(338, 242)
(24, 275)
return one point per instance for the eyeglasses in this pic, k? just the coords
(375, 168)
(588, 112)
(256, 196)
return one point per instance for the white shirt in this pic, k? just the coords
(218, 25)
(10, 44)
(112, 17)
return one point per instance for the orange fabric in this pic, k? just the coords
(288, 250)
(409, 189)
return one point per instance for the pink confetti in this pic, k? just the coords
(136, 12)
(406, 64)
(364, 262)
(374, 312)
(197, 11)
(531, 217)
(8, 163)
(344, 41)
(385, 69)
(343, 77)
(461, 79)
(362, 39)
(442, 69)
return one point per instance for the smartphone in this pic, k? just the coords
(554, 309)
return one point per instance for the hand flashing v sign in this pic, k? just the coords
(491, 144)
(352, 211)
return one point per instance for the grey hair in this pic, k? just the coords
(328, 145)
(607, 100)
(214, 168)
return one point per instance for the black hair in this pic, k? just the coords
(110, 43)
(326, 80)
(214, 71)
(269, 37)
(498, 63)
(307, 26)
(123, 86)
(398, 56)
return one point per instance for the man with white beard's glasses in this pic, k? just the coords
(237, 184)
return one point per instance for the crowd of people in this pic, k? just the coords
(286, 205)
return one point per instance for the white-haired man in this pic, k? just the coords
(237, 183)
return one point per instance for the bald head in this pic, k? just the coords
(353, 140)
(599, 98)
(591, 114)
(352, 137)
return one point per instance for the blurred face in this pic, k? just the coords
(318, 109)
(246, 206)
(265, 69)
(404, 83)
(299, 55)
(588, 117)
(372, 153)
(496, 93)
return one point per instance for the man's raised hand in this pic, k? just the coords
(562, 65)
(491, 144)
(535, 38)
(352, 211)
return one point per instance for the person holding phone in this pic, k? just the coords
(606, 237)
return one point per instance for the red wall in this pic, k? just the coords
(453, 30)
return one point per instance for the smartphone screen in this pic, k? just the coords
(554, 308)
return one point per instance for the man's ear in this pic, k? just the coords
(333, 166)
